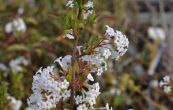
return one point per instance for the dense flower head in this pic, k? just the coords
(47, 89)
(119, 45)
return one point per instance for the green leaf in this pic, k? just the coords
(3, 97)
(70, 73)
(118, 100)
(17, 87)
(18, 47)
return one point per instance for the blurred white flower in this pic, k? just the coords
(21, 10)
(9, 27)
(107, 107)
(90, 77)
(16, 25)
(166, 89)
(70, 3)
(166, 79)
(14, 104)
(70, 36)
(79, 49)
(154, 83)
(89, 4)
(157, 33)
(87, 13)
(3, 67)
(165, 84)
(15, 64)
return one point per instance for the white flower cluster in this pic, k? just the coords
(47, 90)
(14, 103)
(89, 9)
(120, 42)
(16, 25)
(3, 67)
(98, 61)
(115, 45)
(15, 64)
(88, 97)
(70, 3)
(165, 84)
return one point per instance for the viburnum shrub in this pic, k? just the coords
(70, 82)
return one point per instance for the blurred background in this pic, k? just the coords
(130, 83)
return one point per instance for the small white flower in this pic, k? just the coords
(9, 27)
(64, 62)
(21, 10)
(14, 104)
(165, 84)
(166, 79)
(70, 3)
(78, 99)
(89, 4)
(15, 64)
(90, 77)
(79, 49)
(166, 89)
(107, 107)
(87, 13)
(70, 36)
(82, 107)
(106, 53)
(99, 71)
(109, 31)
(19, 25)
(3, 67)
(16, 25)
(161, 83)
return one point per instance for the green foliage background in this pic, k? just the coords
(44, 41)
